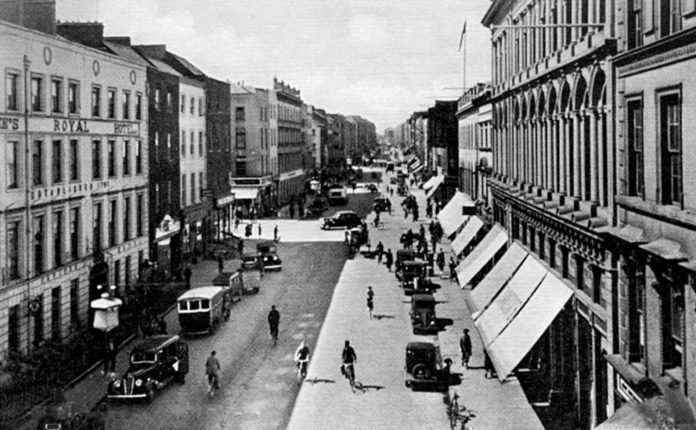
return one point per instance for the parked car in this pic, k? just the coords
(342, 219)
(64, 417)
(235, 282)
(423, 364)
(380, 204)
(155, 362)
(252, 260)
(402, 256)
(423, 319)
(203, 309)
(372, 187)
(414, 278)
(338, 195)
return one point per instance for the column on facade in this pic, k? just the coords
(577, 154)
(594, 168)
(575, 6)
(565, 121)
(553, 166)
(582, 173)
(602, 156)
(560, 14)
(558, 135)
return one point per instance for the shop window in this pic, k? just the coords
(636, 313)
(38, 322)
(56, 321)
(670, 149)
(75, 302)
(13, 328)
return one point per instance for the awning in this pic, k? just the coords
(433, 181)
(416, 167)
(432, 191)
(245, 193)
(494, 241)
(488, 288)
(627, 233)
(450, 216)
(666, 249)
(530, 323)
(469, 232)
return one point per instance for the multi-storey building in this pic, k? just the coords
(553, 179)
(318, 150)
(291, 173)
(474, 117)
(335, 147)
(441, 145)
(255, 149)
(73, 193)
(654, 235)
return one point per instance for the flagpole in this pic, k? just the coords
(462, 46)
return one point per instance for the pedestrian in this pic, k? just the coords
(465, 347)
(275, 233)
(236, 224)
(380, 250)
(262, 265)
(273, 322)
(240, 247)
(389, 206)
(370, 300)
(292, 210)
(488, 365)
(187, 275)
(429, 211)
(212, 371)
(389, 259)
(440, 260)
(221, 263)
(259, 229)
(421, 232)
(453, 269)
(110, 353)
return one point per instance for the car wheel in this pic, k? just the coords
(420, 372)
(150, 393)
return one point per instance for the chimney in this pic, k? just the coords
(86, 33)
(35, 14)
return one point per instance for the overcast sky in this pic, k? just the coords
(381, 59)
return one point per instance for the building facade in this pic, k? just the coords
(474, 118)
(74, 189)
(553, 179)
(291, 174)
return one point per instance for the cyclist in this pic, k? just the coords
(349, 359)
(212, 369)
(302, 358)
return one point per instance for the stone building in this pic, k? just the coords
(291, 175)
(474, 118)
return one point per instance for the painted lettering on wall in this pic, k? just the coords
(125, 128)
(9, 123)
(70, 125)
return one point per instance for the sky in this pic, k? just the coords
(380, 59)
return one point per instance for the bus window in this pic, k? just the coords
(194, 305)
(183, 306)
(205, 304)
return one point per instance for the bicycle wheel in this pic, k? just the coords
(453, 414)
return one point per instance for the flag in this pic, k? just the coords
(461, 38)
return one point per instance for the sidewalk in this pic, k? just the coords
(91, 387)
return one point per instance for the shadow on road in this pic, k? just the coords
(379, 316)
(320, 381)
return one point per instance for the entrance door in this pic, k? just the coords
(584, 366)
(601, 394)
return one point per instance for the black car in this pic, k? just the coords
(380, 204)
(372, 188)
(342, 219)
(155, 362)
(423, 364)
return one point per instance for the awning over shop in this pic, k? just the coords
(488, 288)
(530, 323)
(666, 249)
(494, 241)
(433, 181)
(245, 193)
(416, 167)
(469, 232)
(496, 317)
(451, 215)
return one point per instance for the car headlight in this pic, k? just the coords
(117, 383)
(138, 382)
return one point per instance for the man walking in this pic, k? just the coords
(389, 259)
(259, 229)
(275, 233)
(273, 322)
(212, 369)
(110, 354)
(370, 300)
(380, 251)
(465, 347)
(187, 275)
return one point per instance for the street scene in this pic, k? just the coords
(303, 215)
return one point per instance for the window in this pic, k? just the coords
(239, 114)
(670, 149)
(673, 329)
(126, 105)
(96, 226)
(73, 97)
(138, 106)
(126, 157)
(193, 145)
(38, 322)
(193, 188)
(636, 312)
(39, 237)
(111, 102)
(56, 95)
(670, 16)
(36, 93)
(111, 154)
(157, 99)
(169, 146)
(183, 143)
(55, 314)
(126, 273)
(74, 233)
(200, 143)
(635, 24)
(96, 159)
(240, 138)
(13, 328)
(57, 165)
(140, 215)
(192, 106)
(12, 89)
(138, 157)
(58, 238)
(12, 164)
(183, 191)
(636, 184)
(112, 223)
(156, 154)
(183, 103)
(169, 101)
(74, 155)
(13, 232)
(75, 302)
(201, 185)
(200, 107)
(240, 166)
(96, 101)
(36, 160)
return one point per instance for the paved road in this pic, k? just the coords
(258, 379)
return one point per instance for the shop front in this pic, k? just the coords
(223, 215)
(167, 244)
(195, 238)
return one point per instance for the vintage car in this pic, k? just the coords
(423, 319)
(380, 204)
(341, 219)
(414, 278)
(203, 309)
(155, 362)
(402, 256)
(235, 281)
(64, 417)
(338, 195)
(316, 208)
(252, 260)
(423, 365)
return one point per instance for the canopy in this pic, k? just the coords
(435, 187)
(488, 288)
(518, 338)
(418, 168)
(245, 193)
(468, 233)
(496, 317)
(494, 241)
(433, 181)
(451, 215)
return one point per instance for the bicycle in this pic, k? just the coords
(349, 373)
(301, 370)
(458, 413)
(212, 385)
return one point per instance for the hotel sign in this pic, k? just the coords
(9, 123)
(71, 126)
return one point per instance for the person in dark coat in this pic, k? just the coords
(187, 275)
(440, 260)
(110, 353)
(389, 259)
(380, 250)
(453, 269)
(488, 366)
(221, 263)
(273, 322)
(465, 347)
